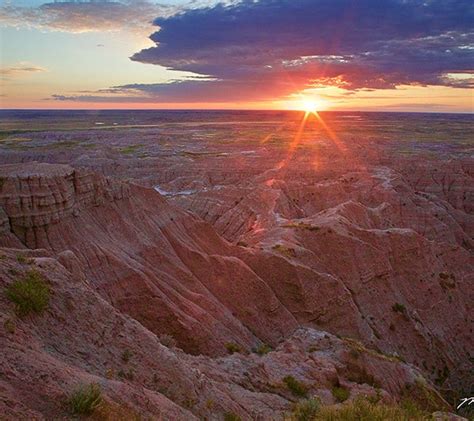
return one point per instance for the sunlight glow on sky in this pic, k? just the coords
(99, 55)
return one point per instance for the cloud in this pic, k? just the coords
(90, 16)
(256, 50)
(19, 70)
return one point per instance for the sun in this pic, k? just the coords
(312, 105)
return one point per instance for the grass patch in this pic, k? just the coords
(232, 347)
(340, 393)
(127, 355)
(287, 251)
(420, 395)
(399, 308)
(29, 294)
(294, 386)
(9, 326)
(306, 410)
(363, 410)
(127, 150)
(23, 260)
(127, 375)
(263, 349)
(302, 225)
(85, 399)
(230, 416)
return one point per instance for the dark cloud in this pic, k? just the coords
(271, 48)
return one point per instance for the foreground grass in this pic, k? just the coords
(85, 400)
(357, 410)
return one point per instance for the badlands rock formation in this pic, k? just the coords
(354, 267)
(82, 339)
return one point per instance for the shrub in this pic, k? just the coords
(126, 355)
(23, 260)
(230, 416)
(295, 386)
(305, 410)
(287, 251)
(263, 349)
(233, 347)
(129, 375)
(85, 399)
(340, 393)
(9, 326)
(447, 281)
(210, 404)
(399, 308)
(30, 294)
(108, 411)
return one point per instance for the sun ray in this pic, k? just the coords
(296, 140)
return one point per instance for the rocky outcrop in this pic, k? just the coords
(36, 196)
(82, 339)
(160, 265)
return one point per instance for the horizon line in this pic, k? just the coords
(238, 109)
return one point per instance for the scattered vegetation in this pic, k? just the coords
(168, 341)
(29, 294)
(294, 386)
(23, 260)
(306, 410)
(231, 416)
(108, 411)
(127, 150)
(210, 404)
(189, 402)
(302, 225)
(357, 349)
(287, 251)
(399, 308)
(420, 395)
(85, 399)
(263, 349)
(233, 347)
(442, 376)
(9, 326)
(127, 355)
(362, 409)
(64, 144)
(128, 375)
(447, 281)
(340, 393)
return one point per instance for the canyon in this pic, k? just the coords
(223, 267)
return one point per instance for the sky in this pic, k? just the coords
(371, 55)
